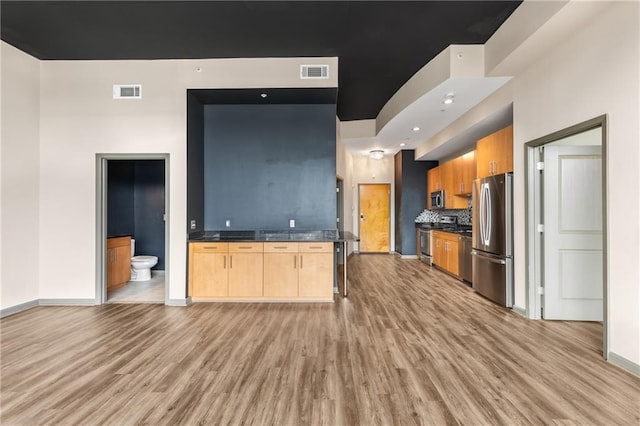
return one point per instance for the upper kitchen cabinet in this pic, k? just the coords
(465, 167)
(494, 153)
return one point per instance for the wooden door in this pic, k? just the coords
(452, 262)
(281, 270)
(246, 269)
(374, 218)
(209, 275)
(438, 250)
(503, 151)
(484, 156)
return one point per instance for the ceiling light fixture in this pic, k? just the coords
(415, 129)
(402, 144)
(198, 69)
(376, 154)
(448, 101)
(263, 95)
(448, 98)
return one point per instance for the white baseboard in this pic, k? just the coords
(520, 311)
(11, 310)
(624, 363)
(67, 302)
(408, 256)
(179, 302)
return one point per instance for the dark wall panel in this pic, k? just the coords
(411, 198)
(120, 198)
(266, 164)
(149, 209)
(195, 160)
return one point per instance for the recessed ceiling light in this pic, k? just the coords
(198, 69)
(448, 101)
(415, 129)
(263, 95)
(402, 144)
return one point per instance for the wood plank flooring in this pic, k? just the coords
(409, 346)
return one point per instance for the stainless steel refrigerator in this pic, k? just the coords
(493, 238)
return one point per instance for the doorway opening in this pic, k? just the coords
(374, 217)
(132, 228)
(566, 225)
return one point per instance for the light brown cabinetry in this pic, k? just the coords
(118, 262)
(245, 269)
(209, 270)
(433, 180)
(316, 270)
(445, 252)
(255, 270)
(464, 174)
(495, 153)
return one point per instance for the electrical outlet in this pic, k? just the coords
(227, 223)
(292, 223)
(193, 224)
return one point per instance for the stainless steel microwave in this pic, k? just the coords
(437, 200)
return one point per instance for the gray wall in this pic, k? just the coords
(410, 198)
(195, 155)
(135, 204)
(266, 164)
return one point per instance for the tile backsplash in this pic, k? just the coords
(463, 215)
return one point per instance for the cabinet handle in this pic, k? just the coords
(315, 247)
(300, 261)
(224, 266)
(279, 247)
(245, 248)
(230, 261)
(295, 262)
(209, 248)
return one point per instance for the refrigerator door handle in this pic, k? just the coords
(489, 214)
(481, 212)
(489, 258)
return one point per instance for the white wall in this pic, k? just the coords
(78, 119)
(594, 72)
(366, 170)
(19, 178)
(344, 169)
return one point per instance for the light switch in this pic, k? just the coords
(193, 224)
(292, 223)
(227, 223)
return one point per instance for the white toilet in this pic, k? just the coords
(141, 265)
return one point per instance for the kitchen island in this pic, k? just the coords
(265, 265)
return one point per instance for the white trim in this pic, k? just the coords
(179, 302)
(67, 302)
(519, 310)
(408, 256)
(624, 363)
(11, 310)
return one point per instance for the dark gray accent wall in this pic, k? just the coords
(149, 209)
(195, 162)
(410, 198)
(135, 204)
(266, 164)
(120, 198)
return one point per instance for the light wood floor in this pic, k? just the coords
(409, 346)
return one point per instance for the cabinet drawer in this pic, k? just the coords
(209, 247)
(246, 247)
(445, 235)
(315, 247)
(280, 247)
(118, 242)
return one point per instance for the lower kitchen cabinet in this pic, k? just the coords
(245, 269)
(316, 270)
(269, 271)
(118, 261)
(209, 273)
(445, 252)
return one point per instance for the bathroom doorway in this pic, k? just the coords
(132, 223)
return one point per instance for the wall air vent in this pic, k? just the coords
(314, 71)
(127, 91)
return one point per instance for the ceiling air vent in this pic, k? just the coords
(127, 91)
(314, 71)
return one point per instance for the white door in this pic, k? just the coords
(573, 249)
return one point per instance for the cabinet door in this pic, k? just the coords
(433, 180)
(281, 271)
(503, 154)
(484, 156)
(111, 268)
(438, 250)
(451, 249)
(466, 165)
(245, 274)
(123, 264)
(447, 179)
(315, 278)
(209, 274)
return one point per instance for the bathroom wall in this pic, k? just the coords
(136, 200)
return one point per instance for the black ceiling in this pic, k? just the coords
(380, 44)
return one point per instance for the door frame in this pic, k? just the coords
(388, 185)
(533, 206)
(101, 219)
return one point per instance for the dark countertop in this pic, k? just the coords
(275, 236)
(463, 230)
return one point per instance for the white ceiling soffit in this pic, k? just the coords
(457, 72)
